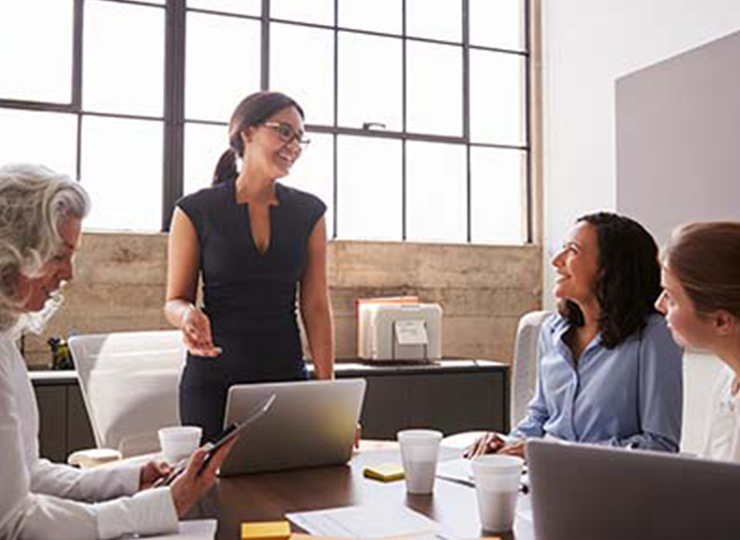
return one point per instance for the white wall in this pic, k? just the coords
(587, 45)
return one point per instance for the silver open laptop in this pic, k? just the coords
(582, 492)
(310, 423)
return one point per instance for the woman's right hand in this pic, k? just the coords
(196, 331)
(490, 443)
(192, 484)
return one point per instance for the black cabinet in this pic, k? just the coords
(63, 422)
(446, 397)
(52, 402)
(451, 396)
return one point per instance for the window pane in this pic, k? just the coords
(369, 190)
(122, 170)
(41, 72)
(497, 24)
(121, 74)
(434, 89)
(314, 172)
(318, 11)
(222, 65)
(369, 81)
(497, 195)
(302, 66)
(39, 137)
(441, 19)
(497, 109)
(378, 15)
(204, 145)
(243, 7)
(436, 187)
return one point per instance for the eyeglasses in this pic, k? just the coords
(287, 134)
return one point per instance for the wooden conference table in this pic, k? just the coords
(269, 496)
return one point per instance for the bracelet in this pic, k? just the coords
(189, 308)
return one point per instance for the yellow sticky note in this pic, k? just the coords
(385, 472)
(266, 530)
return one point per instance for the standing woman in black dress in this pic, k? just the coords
(257, 245)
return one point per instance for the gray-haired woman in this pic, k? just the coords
(40, 220)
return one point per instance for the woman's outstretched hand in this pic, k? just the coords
(196, 331)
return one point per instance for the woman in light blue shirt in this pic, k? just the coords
(609, 371)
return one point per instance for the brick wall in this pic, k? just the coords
(120, 285)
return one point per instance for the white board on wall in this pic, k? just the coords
(678, 138)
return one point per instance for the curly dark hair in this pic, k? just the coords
(628, 282)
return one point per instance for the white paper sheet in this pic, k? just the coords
(198, 529)
(370, 521)
(411, 332)
(456, 470)
(461, 471)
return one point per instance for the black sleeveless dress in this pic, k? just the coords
(250, 297)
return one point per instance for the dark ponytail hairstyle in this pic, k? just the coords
(628, 282)
(251, 111)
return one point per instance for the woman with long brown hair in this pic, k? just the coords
(608, 371)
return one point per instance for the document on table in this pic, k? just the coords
(198, 529)
(461, 471)
(456, 470)
(371, 522)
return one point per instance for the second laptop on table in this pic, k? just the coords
(582, 492)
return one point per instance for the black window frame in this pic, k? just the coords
(174, 100)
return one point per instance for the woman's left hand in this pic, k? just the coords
(515, 449)
(151, 472)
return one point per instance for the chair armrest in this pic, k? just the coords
(93, 457)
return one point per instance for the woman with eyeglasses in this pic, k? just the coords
(701, 302)
(257, 245)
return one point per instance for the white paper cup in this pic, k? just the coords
(419, 453)
(178, 442)
(497, 489)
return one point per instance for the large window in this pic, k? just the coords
(417, 110)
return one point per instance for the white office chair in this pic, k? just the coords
(524, 367)
(523, 380)
(129, 383)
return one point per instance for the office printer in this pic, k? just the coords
(399, 331)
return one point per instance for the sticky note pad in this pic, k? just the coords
(385, 472)
(266, 530)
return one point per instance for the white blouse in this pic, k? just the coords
(39, 499)
(723, 431)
